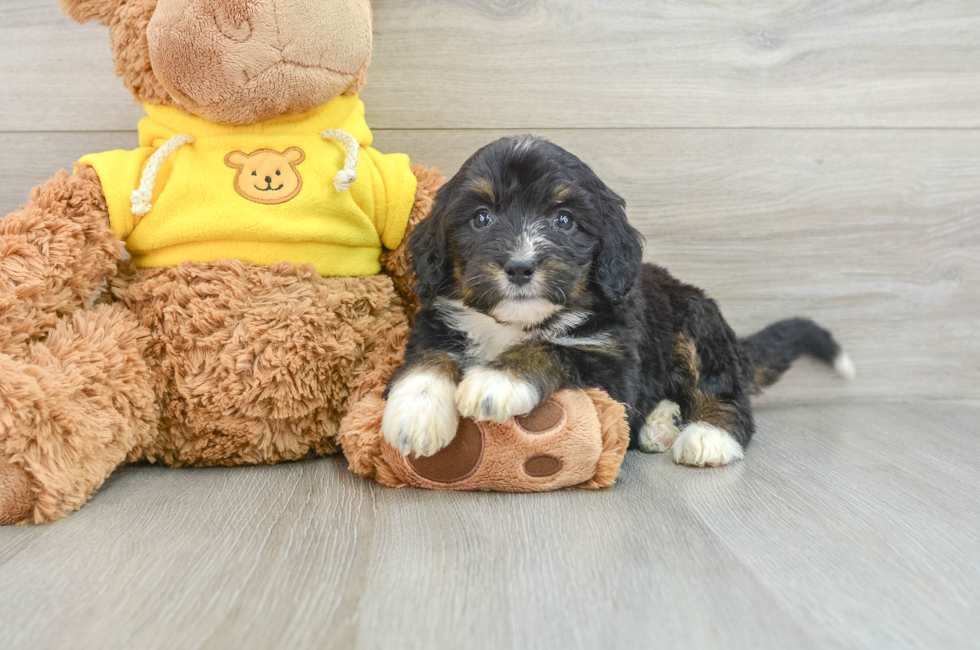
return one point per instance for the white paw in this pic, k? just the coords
(703, 445)
(494, 396)
(660, 429)
(420, 417)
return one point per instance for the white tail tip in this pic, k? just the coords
(844, 366)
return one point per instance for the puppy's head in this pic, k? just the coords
(524, 230)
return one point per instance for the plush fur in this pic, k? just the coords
(55, 254)
(218, 363)
(532, 282)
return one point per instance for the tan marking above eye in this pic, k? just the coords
(562, 192)
(484, 188)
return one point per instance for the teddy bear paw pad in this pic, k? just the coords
(457, 461)
(546, 417)
(542, 465)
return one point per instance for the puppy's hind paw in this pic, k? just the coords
(703, 445)
(420, 417)
(661, 428)
(488, 395)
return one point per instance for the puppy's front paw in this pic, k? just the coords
(420, 417)
(702, 444)
(661, 428)
(488, 395)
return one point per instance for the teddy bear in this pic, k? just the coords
(236, 290)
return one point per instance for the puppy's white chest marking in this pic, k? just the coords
(489, 337)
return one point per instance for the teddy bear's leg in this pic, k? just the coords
(71, 410)
(258, 364)
(396, 262)
(573, 438)
(55, 254)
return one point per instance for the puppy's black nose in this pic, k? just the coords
(519, 272)
(268, 179)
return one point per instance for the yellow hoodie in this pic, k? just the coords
(264, 193)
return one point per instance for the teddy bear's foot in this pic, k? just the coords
(70, 412)
(17, 498)
(571, 439)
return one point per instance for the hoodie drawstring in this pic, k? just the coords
(348, 174)
(140, 198)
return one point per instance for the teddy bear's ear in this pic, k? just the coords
(359, 82)
(85, 10)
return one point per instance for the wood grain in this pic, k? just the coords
(874, 233)
(534, 64)
(847, 526)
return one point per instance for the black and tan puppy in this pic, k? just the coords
(531, 280)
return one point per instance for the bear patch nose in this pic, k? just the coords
(519, 272)
(268, 179)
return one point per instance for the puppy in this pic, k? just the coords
(531, 280)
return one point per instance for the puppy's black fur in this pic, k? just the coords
(528, 235)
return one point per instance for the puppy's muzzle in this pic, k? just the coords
(520, 272)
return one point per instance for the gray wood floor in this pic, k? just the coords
(847, 526)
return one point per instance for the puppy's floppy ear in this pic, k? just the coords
(429, 245)
(617, 263)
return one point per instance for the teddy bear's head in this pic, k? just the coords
(236, 61)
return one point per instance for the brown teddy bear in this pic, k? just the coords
(264, 301)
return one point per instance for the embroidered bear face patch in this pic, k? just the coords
(267, 176)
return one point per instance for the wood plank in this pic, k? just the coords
(806, 514)
(57, 75)
(538, 64)
(203, 550)
(839, 529)
(875, 234)
(564, 570)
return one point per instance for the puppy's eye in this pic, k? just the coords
(482, 219)
(254, 174)
(563, 221)
(278, 173)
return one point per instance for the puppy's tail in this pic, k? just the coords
(773, 349)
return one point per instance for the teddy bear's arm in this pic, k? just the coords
(55, 253)
(396, 263)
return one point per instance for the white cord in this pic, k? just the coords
(140, 198)
(348, 174)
